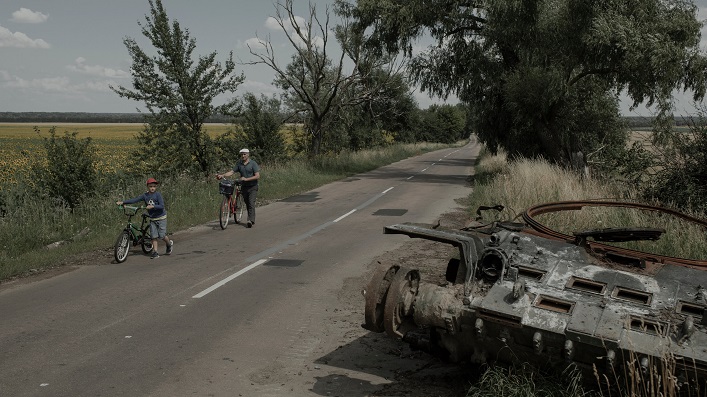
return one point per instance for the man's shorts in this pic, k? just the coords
(158, 229)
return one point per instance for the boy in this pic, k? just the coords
(158, 216)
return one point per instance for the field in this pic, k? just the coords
(20, 144)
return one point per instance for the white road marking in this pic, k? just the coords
(345, 215)
(411, 176)
(261, 256)
(424, 170)
(229, 278)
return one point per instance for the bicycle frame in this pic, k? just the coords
(133, 234)
(232, 204)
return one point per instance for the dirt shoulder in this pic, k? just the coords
(409, 372)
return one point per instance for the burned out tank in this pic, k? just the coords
(521, 292)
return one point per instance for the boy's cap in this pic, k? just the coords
(244, 150)
(152, 180)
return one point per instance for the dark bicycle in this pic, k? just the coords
(232, 203)
(137, 235)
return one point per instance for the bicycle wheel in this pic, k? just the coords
(238, 210)
(122, 246)
(223, 212)
(146, 242)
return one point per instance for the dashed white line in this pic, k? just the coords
(345, 215)
(281, 246)
(229, 278)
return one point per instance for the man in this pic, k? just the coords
(250, 173)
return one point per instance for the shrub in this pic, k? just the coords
(69, 173)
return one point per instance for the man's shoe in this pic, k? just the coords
(249, 224)
(154, 255)
(169, 247)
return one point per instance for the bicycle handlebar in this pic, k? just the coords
(131, 210)
(132, 207)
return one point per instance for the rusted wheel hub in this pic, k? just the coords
(375, 294)
(398, 319)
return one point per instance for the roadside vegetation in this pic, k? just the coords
(40, 230)
(520, 184)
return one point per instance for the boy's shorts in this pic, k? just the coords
(158, 229)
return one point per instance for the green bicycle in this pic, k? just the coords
(137, 235)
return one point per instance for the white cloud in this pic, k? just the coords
(19, 40)
(96, 70)
(25, 15)
(53, 85)
(272, 24)
(254, 43)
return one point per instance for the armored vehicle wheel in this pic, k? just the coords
(375, 293)
(397, 315)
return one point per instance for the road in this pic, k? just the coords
(244, 312)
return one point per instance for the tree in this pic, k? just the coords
(534, 71)
(261, 122)
(179, 94)
(317, 88)
(679, 177)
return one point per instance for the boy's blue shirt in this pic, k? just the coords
(155, 199)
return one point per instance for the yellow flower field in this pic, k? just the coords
(20, 145)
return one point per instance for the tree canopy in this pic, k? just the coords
(179, 93)
(319, 86)
(533, 72)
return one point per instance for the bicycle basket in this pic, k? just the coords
(225, 187)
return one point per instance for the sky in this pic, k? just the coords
(61, 56)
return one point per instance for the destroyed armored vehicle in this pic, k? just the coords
(524, 293)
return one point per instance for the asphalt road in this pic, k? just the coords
(244, 312)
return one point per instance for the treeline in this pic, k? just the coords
(84, 117)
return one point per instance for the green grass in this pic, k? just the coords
(32, 224)
(521, 184)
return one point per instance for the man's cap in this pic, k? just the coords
(151, 180)
(244, 150)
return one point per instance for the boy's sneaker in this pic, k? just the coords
(169, 247)
(154, 255)
(249, 224)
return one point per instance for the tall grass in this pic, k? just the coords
(663, 376)
(525, 381)
(518, 185)
(32, 224)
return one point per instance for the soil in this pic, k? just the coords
(414, 373)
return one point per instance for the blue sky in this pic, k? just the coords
(60, 56)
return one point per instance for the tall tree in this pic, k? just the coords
(535, 71)
(179, 93)
(316, 86)
(261, 122)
